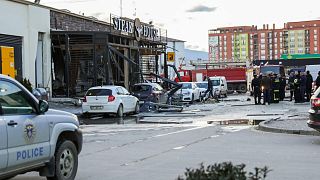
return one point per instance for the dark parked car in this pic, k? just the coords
(40, 94)
(149, 92)
(314, 112)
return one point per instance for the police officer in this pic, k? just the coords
(275, 85)
(309, 85)
(291, 85)
(303, 86)
(256, 83)
(282, 89)
(296, 84)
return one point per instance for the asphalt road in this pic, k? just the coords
(162, 152)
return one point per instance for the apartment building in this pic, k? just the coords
(248, 43)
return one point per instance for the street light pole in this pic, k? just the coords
(120, 8)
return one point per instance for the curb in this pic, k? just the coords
(264, 127)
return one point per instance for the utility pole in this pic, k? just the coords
(120, 8)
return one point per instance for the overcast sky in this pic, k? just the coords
(190, 20)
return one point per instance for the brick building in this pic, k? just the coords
(242, 43)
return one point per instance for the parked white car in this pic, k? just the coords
(203, 86)
(190, 92)
(110, 100)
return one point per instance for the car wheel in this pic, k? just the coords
(137, 108)
(66, 161)
(120, 111)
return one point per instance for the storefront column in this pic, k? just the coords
(126, 69)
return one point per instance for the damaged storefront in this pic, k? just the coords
(87, 52)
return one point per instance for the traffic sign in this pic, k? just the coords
(170, 56)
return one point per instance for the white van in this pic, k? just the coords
(219, 85)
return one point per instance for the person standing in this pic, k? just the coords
(282, 89)
(309, 85)
(303, 85)
(265, 86)
(256, 82)
(209, 89)
(297, 94)
(318, 80)
(291, 85)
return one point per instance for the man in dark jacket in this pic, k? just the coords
(318, 80)
(265, 86)
(291, 85)
(256, 82)
(296, 84)
(303, 86)
(209, 90)
(309, 85)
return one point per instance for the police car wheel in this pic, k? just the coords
(66, 161)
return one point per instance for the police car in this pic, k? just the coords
(33, 138)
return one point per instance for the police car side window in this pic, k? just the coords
(13, 100)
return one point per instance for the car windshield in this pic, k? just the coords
(215, 82)
(99, 92)
(186, 86)
(141, 88)
(202, 85)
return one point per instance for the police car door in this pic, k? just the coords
(28, 132)
(3, 144)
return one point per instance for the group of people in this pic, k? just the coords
(273, 87)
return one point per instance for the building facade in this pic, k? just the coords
(25, 28)
(248, 43)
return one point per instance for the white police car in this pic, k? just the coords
(33, 138)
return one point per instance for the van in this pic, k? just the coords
(219, 84)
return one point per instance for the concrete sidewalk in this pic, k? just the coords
(289, 126)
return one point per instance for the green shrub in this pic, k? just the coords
(224, 171)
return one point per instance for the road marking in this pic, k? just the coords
(176, 132)
(177, 148)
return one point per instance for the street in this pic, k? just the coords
(128, 149)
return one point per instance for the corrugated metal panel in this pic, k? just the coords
(10, 40)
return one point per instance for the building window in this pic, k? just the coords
(316, 43)
(315, 31)
(300, 51)
(292, 45)
(315, 49)
(263, 57)
(292, 51)
(276, 45)
(276, 52)
(263, 52)
(263, 35)
(263, 46)
(263, 41)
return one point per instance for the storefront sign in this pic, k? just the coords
(135, 27)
